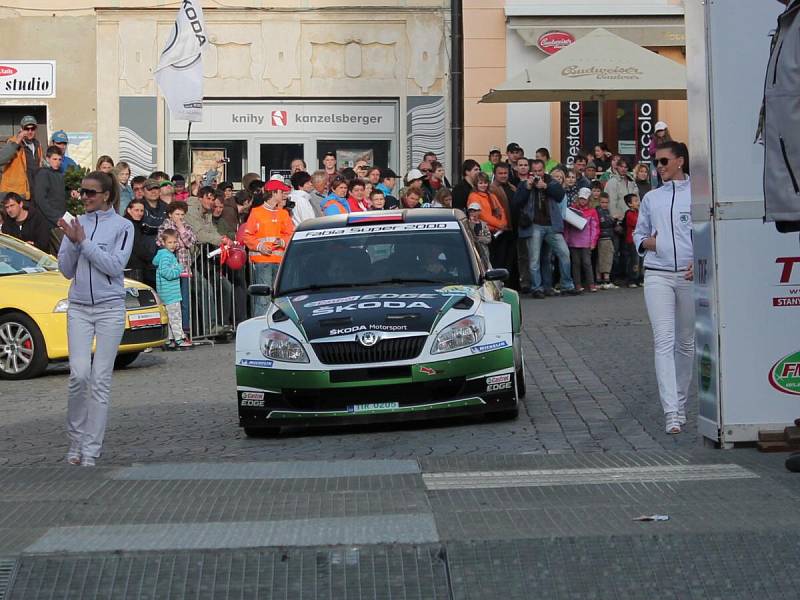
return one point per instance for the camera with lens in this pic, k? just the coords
(536, 179)
(290, 204)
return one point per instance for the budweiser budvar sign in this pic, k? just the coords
(553, 41)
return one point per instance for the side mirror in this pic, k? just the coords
(259, 289)
(493, 275)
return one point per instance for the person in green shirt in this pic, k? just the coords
(543, 154)
(494, 158)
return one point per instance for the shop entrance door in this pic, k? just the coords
(276, 158)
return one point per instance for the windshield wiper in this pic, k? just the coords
(316, 288)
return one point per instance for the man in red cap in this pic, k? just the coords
(267, 234)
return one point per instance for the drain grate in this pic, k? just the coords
(550, 477)
(6, 571)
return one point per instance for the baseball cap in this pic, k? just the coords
(591, 165)
(276, 184)
(388, 173)
(151, 184)
(413, 175)
(224, 185)
(513, 147)
(660, 126)
(474, 206)
(60, 137)
(494, 150)
(28, 120)
(584, 193)
(165, 183)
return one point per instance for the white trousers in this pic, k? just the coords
(90, 377)
(175, 321)
(670, 305)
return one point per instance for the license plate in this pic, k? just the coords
(140, 320)
(376, 407)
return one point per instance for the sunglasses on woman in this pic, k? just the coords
(663, 161)
(89, 193)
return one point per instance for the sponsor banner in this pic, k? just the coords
(785, 374)
(252, 395)
(151, 319)
(374, 305)
(498, 383)
(261, 363)
(553, 41)
(251, 402)
(293, 117)
(786, 289)
(28, 79)
(373, 408)
(368, 229)
(371, 327)
(489, 347)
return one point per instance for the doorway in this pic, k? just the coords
(275, 159)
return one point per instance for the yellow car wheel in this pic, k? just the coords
(22, 351)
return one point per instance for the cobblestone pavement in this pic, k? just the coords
(184, 506)
(591, 388)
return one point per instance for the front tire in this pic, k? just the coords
(23, 354)
(125, 360)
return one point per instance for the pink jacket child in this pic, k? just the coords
(586, 237)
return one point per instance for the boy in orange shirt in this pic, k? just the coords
(493, 213)
(266, 234)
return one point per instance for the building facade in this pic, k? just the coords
(282, 81)
(504, 37)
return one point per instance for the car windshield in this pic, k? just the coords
(18, 257)
(394, 257)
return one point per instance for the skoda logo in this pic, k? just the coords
(368, 339)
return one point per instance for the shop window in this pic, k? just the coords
(375, 152)
(10, 116)
(205, 154)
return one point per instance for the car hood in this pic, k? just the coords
(385, 308)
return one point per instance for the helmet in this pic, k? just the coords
(235, 259)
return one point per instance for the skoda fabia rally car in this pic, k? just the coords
(380, 316)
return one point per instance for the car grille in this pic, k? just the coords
(405, 394)
(386, 350)
(145, 335)
(142, 299)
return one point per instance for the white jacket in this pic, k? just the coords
(666, 211)
(302, 207)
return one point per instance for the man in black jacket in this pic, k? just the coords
(462, 190)
(50, 196)
(24, 224)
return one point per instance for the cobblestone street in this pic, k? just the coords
(183, 505)
(591, 388)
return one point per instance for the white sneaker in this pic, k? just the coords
(673, 425)
(611, 286)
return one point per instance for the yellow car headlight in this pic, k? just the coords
(61, 306)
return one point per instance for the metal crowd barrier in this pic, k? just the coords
(217, 297)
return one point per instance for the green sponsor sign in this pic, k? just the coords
(785, 374)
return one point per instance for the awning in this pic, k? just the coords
(599, 66)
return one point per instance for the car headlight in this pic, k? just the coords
(279, 346)
(61, 306)
(461, 334)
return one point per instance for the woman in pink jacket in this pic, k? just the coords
(581, 242)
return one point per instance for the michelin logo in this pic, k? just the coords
(488, 347)
(250, 362)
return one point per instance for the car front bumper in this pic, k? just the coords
(272, 396)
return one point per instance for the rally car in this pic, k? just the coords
(380, 316)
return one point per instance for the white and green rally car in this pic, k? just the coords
(380, 316)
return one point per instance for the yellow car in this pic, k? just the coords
(33, 313)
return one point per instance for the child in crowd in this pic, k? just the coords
(634, 270)
(605, 245)
(480, 233)
(168, 276)
(443, 198)
(581, 242)
(176, 220)
(597, 192)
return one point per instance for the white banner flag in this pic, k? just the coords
(180, 68)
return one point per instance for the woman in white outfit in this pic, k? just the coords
(93, 254)
(663, 236)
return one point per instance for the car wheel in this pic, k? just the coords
(125, 360)
(22, 351)
(520, 374)
(260, 432)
